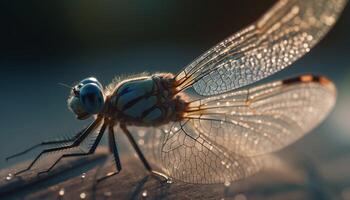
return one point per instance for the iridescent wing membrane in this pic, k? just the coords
(284, 34)
(266, 118)
(225, 137)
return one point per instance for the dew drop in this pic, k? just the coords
(141, 142)
(83, 176)
(82, 195)
(142, 133)
(227, 183)
(61, 192)
(144, 193)
(9, 176)
(310, 37)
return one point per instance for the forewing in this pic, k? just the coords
(281, 36)
(266, 118)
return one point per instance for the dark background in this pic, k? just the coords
(43, 43)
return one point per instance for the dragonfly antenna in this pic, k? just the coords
(65, 85)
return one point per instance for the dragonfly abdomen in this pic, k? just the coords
(146, 101)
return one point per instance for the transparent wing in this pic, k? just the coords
(225, 138)
(182, 153)
(266, 118)
(284, 34)
(148, 140)
(190, 156)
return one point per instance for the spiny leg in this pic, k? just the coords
(46, 143)
(140, 154)
(91, 150)
(76, 142)
(113, 149)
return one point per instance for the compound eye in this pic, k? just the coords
(92, 98)
(90, 80)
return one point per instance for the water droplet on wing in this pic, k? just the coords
(144, 193)
(227, 183)
(82, 195)
(142, 133)
(141, 142)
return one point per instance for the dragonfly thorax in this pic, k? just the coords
(146, 101)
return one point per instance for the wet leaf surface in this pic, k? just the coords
(76, 179)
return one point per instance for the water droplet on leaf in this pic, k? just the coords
(9, 177)
(61, 192)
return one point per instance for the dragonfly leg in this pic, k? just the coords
(113, 149)
(141, 156)
(44, 144)
(91, 150)
(76, 142)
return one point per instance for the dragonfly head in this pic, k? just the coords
(86, 98)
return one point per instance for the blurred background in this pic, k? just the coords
(43, 43)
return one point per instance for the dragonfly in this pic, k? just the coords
(205, 124)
